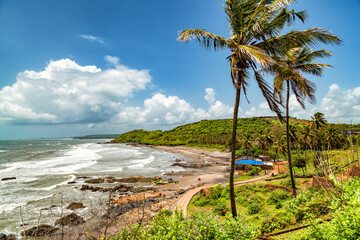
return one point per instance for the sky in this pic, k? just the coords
(72, 68)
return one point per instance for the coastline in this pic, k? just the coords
(202, 167)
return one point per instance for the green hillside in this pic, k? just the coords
(216, 133)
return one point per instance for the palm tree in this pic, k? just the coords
(319, 121)
(288, 71)
(255, 27)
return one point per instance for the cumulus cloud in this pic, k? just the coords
(93, 38)
(339, 106)
(66, 92)
(112, 60)
(167, 110)
(210, 95)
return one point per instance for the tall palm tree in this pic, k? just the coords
(288, 70)
(319, 121)
(255, 27)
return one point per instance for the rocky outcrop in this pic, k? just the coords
(3, 236)
(38, 231)
(96, 180)
(8, 178)
(75, 205)
(133, 179)
(70, 220)
(192, 165)
(119, 188)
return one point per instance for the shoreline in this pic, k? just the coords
(204, 168)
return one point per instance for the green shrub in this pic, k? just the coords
(201, 201)
(314, 208)
(301, 199)
(164, 213)
(219, 207)
(242, 200)
(256, 199)
(201, 225)
(277, 197)
(218, 192)
(271, 224)
(254, 208)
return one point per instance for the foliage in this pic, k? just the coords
(271, 224)
(219, 207)
(277, 197)
(312, 209)
(345, 209)
(200, 225)
(254, 208)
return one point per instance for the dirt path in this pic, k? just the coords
(185, 199)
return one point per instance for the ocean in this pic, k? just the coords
(43, 169)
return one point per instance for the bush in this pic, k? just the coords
(164, 213)
(201, 201)
(201, 225)
(345, 208)
(219, 207)
(256, 199)
(242, 200)
(254, 208)
(271, 224)
(314, 208)
(277, 197)
(301, 199)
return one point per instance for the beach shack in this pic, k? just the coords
(242, 161)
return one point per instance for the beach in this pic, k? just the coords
(41, 179)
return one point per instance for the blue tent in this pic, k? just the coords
(249, 162)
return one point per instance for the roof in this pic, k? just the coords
(249, 162)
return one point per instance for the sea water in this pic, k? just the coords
(43, 169)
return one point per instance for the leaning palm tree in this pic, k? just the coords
(255, 27)
(319, 121)
(288, 70)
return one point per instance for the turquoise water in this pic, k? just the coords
(44, 167)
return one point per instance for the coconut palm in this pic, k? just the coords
(319, 121)
(288, 70)
(255, 27)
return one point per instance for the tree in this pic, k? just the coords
(288, 70)
(255, 27)
(319, 121)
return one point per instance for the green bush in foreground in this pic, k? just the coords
(346, 222)
(201, 225)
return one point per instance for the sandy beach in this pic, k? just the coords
(202, 168)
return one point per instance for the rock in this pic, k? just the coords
(2, 236)
(72, 182)
(70, 220)
(119, 188)
(96, 180)
(41, 230)
(74, 206)
(8, 178)
(191, 165)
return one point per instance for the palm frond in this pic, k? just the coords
(206, 39)
(313, 68)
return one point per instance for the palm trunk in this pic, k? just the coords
(233, 149)
(288, 139)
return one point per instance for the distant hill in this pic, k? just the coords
(98, 136)
(216, 133)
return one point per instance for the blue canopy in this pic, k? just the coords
(250, 162)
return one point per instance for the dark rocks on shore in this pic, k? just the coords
(126, 207)
(96, 180)
(192, 165)
(75, 205)
(8, 178)
(38, 231)
(133, 179)
(3, 236)
(70, 220)
(72, 182)
(118, 188)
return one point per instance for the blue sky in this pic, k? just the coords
(71, 68)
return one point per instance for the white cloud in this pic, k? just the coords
(210, 95)
(66, 92)
(112, 60)
(165, 110)
(93, 38)
(339, 106)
